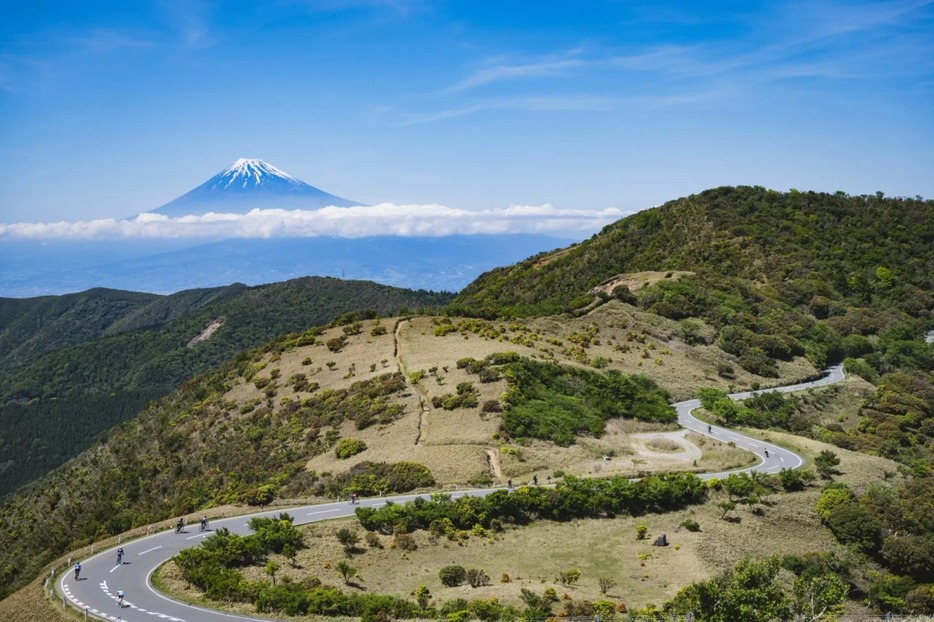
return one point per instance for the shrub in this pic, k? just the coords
(910, 555)
(568, 577)
(725, 370)
(690, 524)
(347, 447)
(853, 524)
(793, 479)
(477, 578)
(831, 498)
(759, 363)
(404, 542)
(491, 406)
(452, 576)
(372, 540)
(826, 463)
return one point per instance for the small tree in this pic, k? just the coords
(727, 507)
(422, 596)
(288, 550)
(827, 463)
(346, 571)
(452, 576)
(606, 584)
(641, 530)
(271, 569)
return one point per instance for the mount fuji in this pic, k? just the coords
(250, 184)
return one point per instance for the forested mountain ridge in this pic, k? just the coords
(795, 246)
(79, 364)
(31, 327)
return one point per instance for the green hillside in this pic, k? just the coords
(75, 365)
(31, 327)
(776, 276)
(833, 251)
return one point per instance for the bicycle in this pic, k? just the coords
(120, 598)
(204, 524)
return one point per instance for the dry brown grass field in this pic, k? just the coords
(532, 556)
(460, 446)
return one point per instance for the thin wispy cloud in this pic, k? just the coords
(500, 73)
(795, 41)
(572, 102)
(108, 40)
(398, 7)
(350, 222)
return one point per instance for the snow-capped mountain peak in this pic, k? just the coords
(251, 183)
(246, 169)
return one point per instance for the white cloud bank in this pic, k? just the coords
(346, 222)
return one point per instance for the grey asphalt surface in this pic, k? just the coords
(101, 576)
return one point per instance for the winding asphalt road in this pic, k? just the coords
(101, 576)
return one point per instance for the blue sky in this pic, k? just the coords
(112, 108)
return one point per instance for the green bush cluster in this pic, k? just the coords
(570, 499)
(894, 525)
(464, 397)
(751, 591)
(211, 566)
(559, 402)
(378, 478)
(347, 447)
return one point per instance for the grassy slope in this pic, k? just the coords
(98, 358)
(221, 438)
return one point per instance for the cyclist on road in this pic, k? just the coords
(204, 523)
(353, 498)
(766, 453)
(120, 597)
(120, 556)
(709, 428)
(77, 570)
(180, 525)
